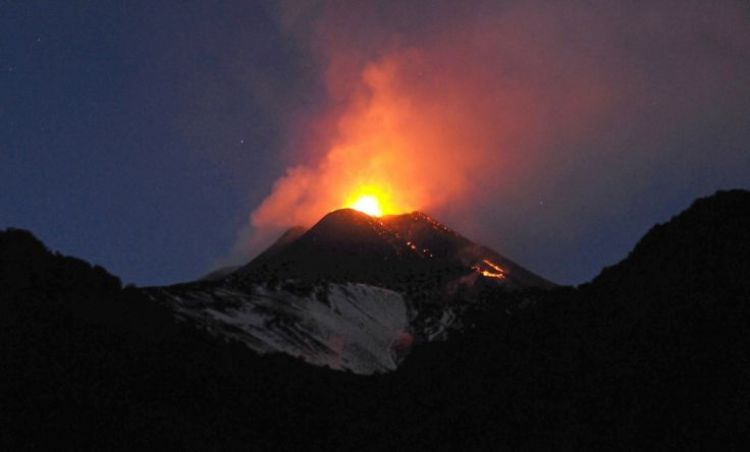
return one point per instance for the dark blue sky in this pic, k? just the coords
(140, 135)
(128, 133)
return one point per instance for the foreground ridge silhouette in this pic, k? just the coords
(652, 353)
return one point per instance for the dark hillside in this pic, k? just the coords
(652, 354)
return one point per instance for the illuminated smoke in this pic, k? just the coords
(464, 108)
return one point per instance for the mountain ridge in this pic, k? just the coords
(307, 292)
(414, 236)
(637, 359)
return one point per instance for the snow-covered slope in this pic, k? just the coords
(354, 327)
(353, 292)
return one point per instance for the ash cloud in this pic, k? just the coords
(555, 133)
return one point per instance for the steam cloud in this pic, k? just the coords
(525, 124)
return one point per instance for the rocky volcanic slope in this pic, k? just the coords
(652, 355)
(354, 292)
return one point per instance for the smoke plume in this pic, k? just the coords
(522, 123)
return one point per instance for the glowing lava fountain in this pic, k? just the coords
(368, 204)
(375, 201)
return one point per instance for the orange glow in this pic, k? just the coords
(494, 271)
(414, 130)
(369, 205)
(387, 144)
(373, 200)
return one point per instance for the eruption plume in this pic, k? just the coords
(456, 108)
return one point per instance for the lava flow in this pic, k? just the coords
(494, 271)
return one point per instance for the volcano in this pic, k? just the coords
(354, 292)
(391, 251)
(650, 354)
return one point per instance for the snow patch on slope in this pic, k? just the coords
(356, 327)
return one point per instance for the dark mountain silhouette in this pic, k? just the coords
(443, 243)
(410, 253)
(354, 292)
(219, 273)
(651, 354)
(709, 241)
(399, 252)
(346, 245)
(289, 236)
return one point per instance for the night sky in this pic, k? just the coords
(145, 136)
